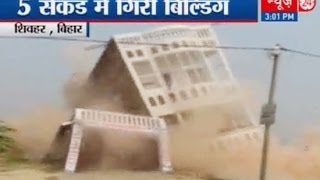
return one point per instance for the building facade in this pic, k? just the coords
(168, 71)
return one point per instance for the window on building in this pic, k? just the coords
(193, 76)
(161, 100)
(146, 74)
(168, 79)
(203, 73)
(154, 50)
(184, 44)
(204, 44)
(172, 97)
(139, 53)
(130, 54)
(205, 33)
(165, 47)
(196, 57)
(143, 67)
(173, 61)
(184, 58)
(183, 68)
(195, 66)
(162, 64)
(175, 45)
(171, 70)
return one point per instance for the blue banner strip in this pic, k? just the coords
(30, 10)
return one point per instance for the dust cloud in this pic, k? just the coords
(190, 148)
(191, 151)
(36, 131)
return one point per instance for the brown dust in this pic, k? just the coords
(189, 145)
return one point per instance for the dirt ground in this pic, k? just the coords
(32, 174)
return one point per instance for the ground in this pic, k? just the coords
(38, 174)
(36, 171)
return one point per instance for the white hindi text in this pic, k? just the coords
(134, 7)
(44, 29)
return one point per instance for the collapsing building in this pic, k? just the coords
(168, 72)
(161, 76)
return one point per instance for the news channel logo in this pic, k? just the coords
(285, 10)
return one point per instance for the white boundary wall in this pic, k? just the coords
(117, 121)
(233, 140)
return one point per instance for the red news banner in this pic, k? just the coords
(284, 10)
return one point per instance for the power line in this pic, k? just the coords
(219, 47)
(104, 43)
(300, 52)
(135, 43)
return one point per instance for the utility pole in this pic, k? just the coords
(268, 112)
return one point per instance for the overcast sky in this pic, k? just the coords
(33, 71)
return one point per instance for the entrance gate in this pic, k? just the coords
(156, 127)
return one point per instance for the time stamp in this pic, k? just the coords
(279, 16)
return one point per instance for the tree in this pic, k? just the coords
(6, 142)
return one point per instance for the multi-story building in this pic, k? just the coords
(168, 72)
(159, 78)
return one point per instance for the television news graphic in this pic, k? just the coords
(306, 5)
(284, 10)
(44, 29)
(129, 10)
(279, 10)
